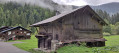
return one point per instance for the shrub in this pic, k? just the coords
(106, 34)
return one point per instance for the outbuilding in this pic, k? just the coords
(79, 25)
(14, 33)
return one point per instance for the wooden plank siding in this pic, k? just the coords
(83, 25)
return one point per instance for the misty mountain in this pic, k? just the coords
(111, 8)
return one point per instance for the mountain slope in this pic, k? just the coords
(111, 8)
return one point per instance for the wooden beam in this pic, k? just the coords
(45, 29)
(36, 29)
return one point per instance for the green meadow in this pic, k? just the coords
(112, 46)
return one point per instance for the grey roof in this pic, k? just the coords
(59, 16)
(4, 28)
(9, 29)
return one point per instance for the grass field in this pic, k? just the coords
(112, 46)
(28, 44)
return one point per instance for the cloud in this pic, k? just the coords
(66, 2)
(51, 5)
(99, 2)
(71, 2)
(84, 2)
(41, 3)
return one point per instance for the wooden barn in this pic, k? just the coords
(79, 25)
(14, 33)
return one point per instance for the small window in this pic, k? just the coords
(21, 32)
(24, 31)
(20, 29)
(28, 34)
(9, 32)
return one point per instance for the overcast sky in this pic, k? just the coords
(84, 2)
(67, 2)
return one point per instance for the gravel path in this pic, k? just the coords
(7, 47)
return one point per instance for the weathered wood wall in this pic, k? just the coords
(73, 26)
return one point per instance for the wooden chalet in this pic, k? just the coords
(14, 33)
(79, 25)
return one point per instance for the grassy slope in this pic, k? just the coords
(112, 46)
(28, 45)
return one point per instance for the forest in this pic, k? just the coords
(14, 14)
(112, 20)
